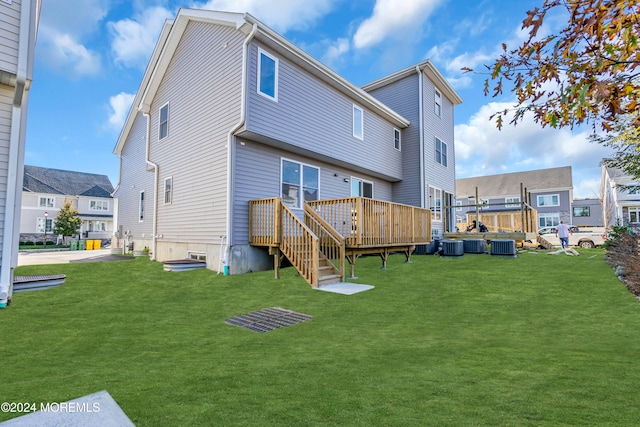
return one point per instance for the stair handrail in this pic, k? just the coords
(300, 245)
(334, 251)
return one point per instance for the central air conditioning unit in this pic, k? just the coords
(452, 248)
(474, 246)
(503, 247)
(428, 249)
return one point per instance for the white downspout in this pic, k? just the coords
(231, 146)
(155, 167)
(16, 147)
(421, 121)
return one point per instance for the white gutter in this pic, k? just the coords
(16, 147)
(231, 146)
(155, 167)
(421, 127)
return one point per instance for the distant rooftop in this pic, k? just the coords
(508, 184)
(69, 183)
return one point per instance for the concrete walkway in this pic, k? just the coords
(64, 257)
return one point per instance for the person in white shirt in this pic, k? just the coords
(563, 231)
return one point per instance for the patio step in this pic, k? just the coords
(329, 279)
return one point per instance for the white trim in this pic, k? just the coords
(53, 202)
(397, 131)
(353, 127)
(275, 76)
(436, 214)
(435, 152)
(160, 137)
(164, 192)
(101, 202)
(513, 203)
(363, 181)
(437, 107)
(300, 202)
(547, 195)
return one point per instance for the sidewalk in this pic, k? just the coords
(64, 257)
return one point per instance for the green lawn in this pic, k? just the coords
(477, 340)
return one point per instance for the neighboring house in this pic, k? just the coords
(230, 111)
(18, 27)
(620, 198)
(45, 191)
(548, 191)
(587, 212)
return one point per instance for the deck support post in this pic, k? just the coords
(384, 255)
(352, 260)
(408, 253)
(275, 251)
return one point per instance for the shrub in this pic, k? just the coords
(623, 254)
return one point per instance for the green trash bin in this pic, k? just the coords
(74, 245)
(82, 245)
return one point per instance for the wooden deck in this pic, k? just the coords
(332, 230)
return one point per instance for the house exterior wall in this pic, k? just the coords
(620, 206)
(403, 97)
(437, 175)
(563, 210)
(6, 99)
(31, 213)
(134, 179)
(311, 116)
(256, 159)
(587, 212)
(10, 35)
(194, 153)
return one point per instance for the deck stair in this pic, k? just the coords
(329, 232)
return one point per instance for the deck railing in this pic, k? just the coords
(331, 243)
(300, 245)
(373, 223)
(265, 222)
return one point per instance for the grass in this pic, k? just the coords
(476, 340)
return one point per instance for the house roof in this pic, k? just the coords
(425, 67)
(508, 184)
(174, 29)
(55, 181)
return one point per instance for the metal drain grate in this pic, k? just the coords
(268, 319)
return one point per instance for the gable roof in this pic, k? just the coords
(244, 22)
(425, 67)
(508, 184)
(55, 181)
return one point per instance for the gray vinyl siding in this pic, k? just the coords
(311, 115)
(403, 97)
(257, 175)
(9, 35)
(6, 99)
(134, 178)
(564, 209)
(203, 88)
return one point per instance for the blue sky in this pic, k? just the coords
(91, 54)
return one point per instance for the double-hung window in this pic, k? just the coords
(44, 224)
(358, 122)
(549, 200)
(362, 188)
(435, 203)
(98, 205)
(168, 190)
(299, 182)
(438, 104)
(163, 130)
(396, 140)
(634, 214)
(267, 75)
(46, 202)
(548, 220)
(512, 202)
(441, 152)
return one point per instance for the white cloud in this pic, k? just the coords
(335, 51)
(281, 15)
(390, 18)
(134, 39)
(120, 105)
(62, 36)
(482, 149)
